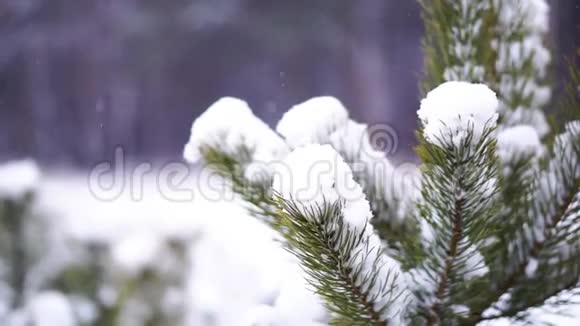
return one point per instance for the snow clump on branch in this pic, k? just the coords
(230, 126)
(317, 175)
(519, 142)
(455, 109)
(313, 121)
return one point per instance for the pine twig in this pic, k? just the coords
(443, 286)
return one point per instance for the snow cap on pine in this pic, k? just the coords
(313, 121)
(519, 142)
(315, 175)
(352, 140)
(17, 178)
(454, 109)
(229, 124)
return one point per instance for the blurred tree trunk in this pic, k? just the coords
(564, 39)
(45, 125)
(385, 63)
(368, 60)
(122, 114)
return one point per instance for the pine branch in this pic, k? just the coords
(389, 190)
(333, 256)
(554, 212)
(233, 143)
(457, 41)
(330, 234)
(443, 286)
(509, 240)
(256, 194)
(507, 250)
(457, 206)
(518, 276)
(345, 263)
(518, 312)
(324, 120)
(522, 62)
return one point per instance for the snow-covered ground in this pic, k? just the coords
(239, 275)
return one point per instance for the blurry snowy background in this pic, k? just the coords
(78, 78)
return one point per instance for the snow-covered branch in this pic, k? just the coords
(329, 231)
(522, 62)
(459, 176)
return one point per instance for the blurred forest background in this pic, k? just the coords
(80, 77)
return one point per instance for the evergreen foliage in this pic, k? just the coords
(457, 206)
(490, 231)
(326, 251)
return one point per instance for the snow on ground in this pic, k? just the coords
(239, 275)
(18, 178)
(69, 199)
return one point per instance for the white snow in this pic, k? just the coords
(453, 108)
(50, 308)
(538, 14)
(296, 304)
(474, 264)
(519, 142)
(62, 196)
(573, 127)
(365, 149)
(460, 309)
(502, 304)
(532, 267)
(393, 286)
(312, 121)
(317, 174)
(17, 178)
(421, 280)
(293, 306)
(229, 124)
(242, 276)
(137, 252)
(236, 263)
(351, 139)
